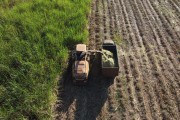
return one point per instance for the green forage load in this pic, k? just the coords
(107, 58)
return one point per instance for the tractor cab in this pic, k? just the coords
(80, 51)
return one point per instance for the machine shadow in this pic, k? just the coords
(85, 102)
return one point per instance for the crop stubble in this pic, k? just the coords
(148, 85)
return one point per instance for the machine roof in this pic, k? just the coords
(80, 47)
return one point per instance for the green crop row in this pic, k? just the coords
(35, 36)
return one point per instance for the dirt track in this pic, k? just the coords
(148, 85)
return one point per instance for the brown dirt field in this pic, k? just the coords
(148, 84)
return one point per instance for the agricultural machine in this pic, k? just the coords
(82, 60)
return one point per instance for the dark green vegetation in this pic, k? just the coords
(34, 39)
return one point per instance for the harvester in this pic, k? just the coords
(82, 60)
(80, 68)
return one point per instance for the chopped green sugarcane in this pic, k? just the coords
(107, 58)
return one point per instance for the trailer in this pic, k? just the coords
(110, 71)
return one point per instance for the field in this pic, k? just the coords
(148, 85)
(35, 36)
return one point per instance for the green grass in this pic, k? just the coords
(35, 36)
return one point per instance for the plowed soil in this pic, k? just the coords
(148, 84)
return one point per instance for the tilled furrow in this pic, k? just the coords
(165, 26)
(141, 96)
(170, 68)
(121, 91)
(166, 15)
(143, 105)
(162, 40)
(176, 5)
(151, 58)
(157, 34)
(173, 32)
(163, 74)
(165, 71)
(146, 46)
(135, 113)
(145, 42)
(150, 55)
(177, 2)
(92, 26)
